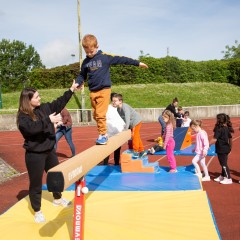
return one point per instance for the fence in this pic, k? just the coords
(84, 117)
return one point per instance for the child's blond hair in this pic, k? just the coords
(196, 123)
(170, 115)
(89, 41)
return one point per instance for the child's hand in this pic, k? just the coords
(132, 132)
(204, 153)
(74, 86)
(143, 65)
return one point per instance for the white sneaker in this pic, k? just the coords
(218, 179)
(39, 218)
(206, 179)
(226, 181)
(61, 202)
(152, 151)
(198, 175)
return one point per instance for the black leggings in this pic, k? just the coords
(117, 153)
(223, 157)
(36, 164)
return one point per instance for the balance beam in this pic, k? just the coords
(65, 174)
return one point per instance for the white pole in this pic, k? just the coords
(80, 61)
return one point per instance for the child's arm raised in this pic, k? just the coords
(143, 65)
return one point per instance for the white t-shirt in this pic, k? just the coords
(186, 122)
(115, 123)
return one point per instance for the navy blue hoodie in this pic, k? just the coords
(97, 69)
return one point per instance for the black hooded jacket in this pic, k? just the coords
(39, 135)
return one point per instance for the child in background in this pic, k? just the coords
(223, 141)
(179, 118)
(186, 119)
(201, 149)
(169, 142)
(171, 107)
(115, 125)
(96, 68)
(157, 147)
(133, 121)
(64, 128)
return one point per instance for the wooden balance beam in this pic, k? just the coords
(65, 174)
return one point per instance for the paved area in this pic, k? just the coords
(6, 171)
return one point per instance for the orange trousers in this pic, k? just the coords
(136, 139)
(100, 101)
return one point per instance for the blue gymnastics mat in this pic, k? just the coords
(188, 151)
(110, 178)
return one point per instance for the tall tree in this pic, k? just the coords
(16, 61)
(232, 52)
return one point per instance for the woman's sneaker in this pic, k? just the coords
(218, 179)
(226, 181)
(206, 179)
(61, 202)
(39, 218)
(173, 170)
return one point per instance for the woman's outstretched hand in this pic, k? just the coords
(74, 86)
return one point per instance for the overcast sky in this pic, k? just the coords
(191, 29)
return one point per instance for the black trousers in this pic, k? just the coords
(157, 148)
(117, 153)
(36, 164)
(223, 158)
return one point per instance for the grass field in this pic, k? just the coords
(149, 95)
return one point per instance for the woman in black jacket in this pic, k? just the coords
(36, 124)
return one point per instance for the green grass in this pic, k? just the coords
(150, 95)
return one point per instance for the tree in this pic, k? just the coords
(16, 61)
(232, 52)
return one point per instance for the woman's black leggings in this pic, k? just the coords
(36, 164)
(223, 158)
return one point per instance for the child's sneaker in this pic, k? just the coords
(206, 179)
(218, 179)
(135, 155)
(142, 154)
(173, 170)
(198, 175)
(39, 218)
(152, 150)
(61, 202)
(226, 181)
(102, 140)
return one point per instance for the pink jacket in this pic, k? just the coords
(202, 142)
(168, 134)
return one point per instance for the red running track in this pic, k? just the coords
(224, 199)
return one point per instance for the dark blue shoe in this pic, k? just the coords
(102, 140)
(135, 155)
(142, 154)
